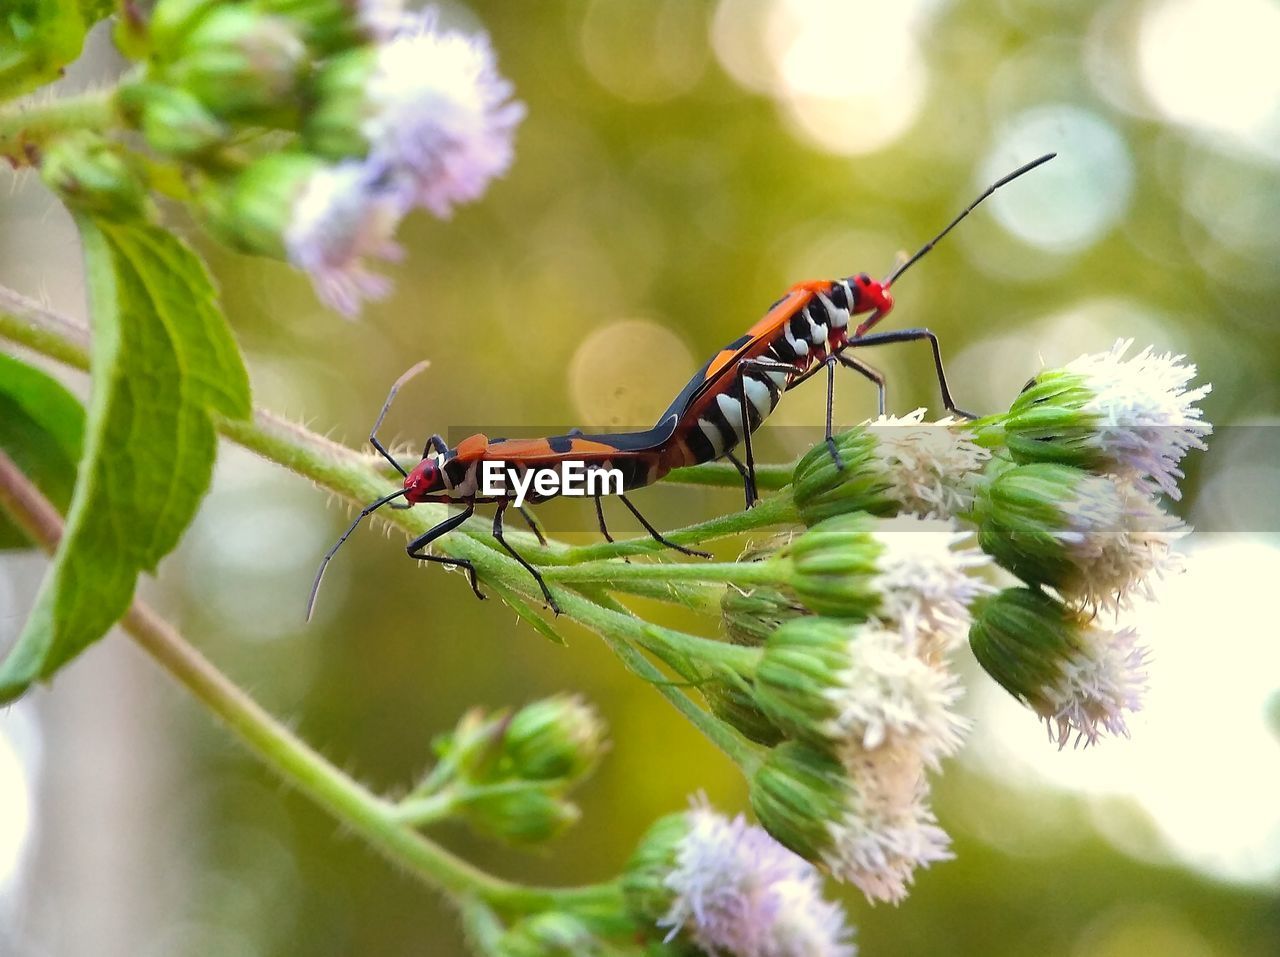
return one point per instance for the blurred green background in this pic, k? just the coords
(682, 164)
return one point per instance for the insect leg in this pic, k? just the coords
(386, 407)
(534, 525)
(497, 534)
(415, 549)
(749, 473)
(910, 335)
(872, 373)
(657, 535)
(600, 518)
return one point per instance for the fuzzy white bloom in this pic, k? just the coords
(1119, 539)
(342, 216)
(887, 830)
(740, 892)
(1097, 685)
(380, 19)
(1145, 414)
(927, 581)
(931, 465)
(887, 695)
(442, 116)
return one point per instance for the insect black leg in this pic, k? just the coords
(737, 464)
(497, 534)
(415, 548)
(657, 535)
(600, 518)
(749, 470)
(438, 443)
(872, 373)
(534, 525)
(830, 363)
(386, 407)
(910, 335)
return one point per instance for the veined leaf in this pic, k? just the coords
(163, 360)
(42, 430)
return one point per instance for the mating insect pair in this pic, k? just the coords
(804, 332)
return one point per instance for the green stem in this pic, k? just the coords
(24, 129)
(736, 573)
(359, 809)
(419, 812)
(348, 473)
(778, 510)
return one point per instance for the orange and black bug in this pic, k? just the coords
(804, 332)
(454, 475)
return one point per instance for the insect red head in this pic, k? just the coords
(423, 479)
(870, 296)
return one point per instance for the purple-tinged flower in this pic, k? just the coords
(931, 466)
(428, 105)
(341, 217)
(736, 891)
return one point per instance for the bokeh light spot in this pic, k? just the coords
(1073, 201)
(1210, 64)
(625, 373)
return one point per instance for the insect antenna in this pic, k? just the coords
(893, 276)
(324, 562)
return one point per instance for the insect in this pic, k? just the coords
(801, 334)
(454, 475)
(804, 332)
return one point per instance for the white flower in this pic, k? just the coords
(926, 581)
(1145, 415)
(1102, 680)
(740, 892)
(342, 216)
(442, 115)
(887, 830)
(379, 18)
(887, 695)
(1119, 540)
(930, 465)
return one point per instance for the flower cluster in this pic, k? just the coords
(303, 130)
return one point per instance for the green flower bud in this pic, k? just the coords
(802, 662)
(550, 934)
(253, 212)
(95, 176)
(737, 707)
(172, 120)
(833, 567)
(335, 125)
(797, 793)
(521, 815)
(822, 489)
(554, 739)
(1078, 676)
(644, 879)
(1092, 538)
(750, 615)
(172, 20)
(330, 26)
(1132, 417)
(243, 64)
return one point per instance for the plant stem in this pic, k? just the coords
(737, 573)
(778, 510)
(24, 129)
(359, 809)
(769, 478)
(349, 474)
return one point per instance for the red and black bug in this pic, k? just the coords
(804, 332)
(453, 475)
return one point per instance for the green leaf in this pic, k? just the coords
(163, 363)
(42, 430)
(37, 39)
